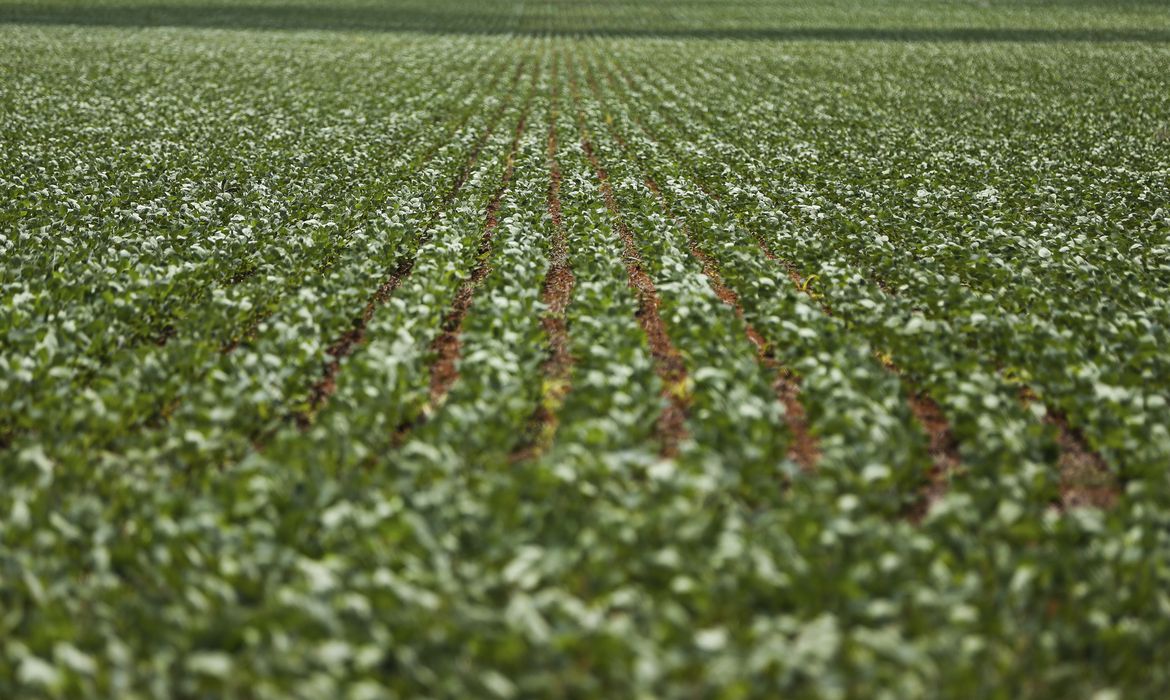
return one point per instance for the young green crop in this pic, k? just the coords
(595, 349)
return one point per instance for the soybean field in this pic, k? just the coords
(611, 349)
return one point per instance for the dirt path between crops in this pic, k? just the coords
(803, 449)
(348, 341)
(1085, 476)
(556, 294)
(668, 362)
(449, 346)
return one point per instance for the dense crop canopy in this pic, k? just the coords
(744, 349)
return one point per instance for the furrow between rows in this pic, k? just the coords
(942, 444)
(556, 294)
(667, 361)
(803, 448)
(444, 371)
(447, 346)
(250, 328)
(347, 343)
(1083, 483)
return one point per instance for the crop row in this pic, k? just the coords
(511, 366)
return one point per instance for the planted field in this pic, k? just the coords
(608, 349)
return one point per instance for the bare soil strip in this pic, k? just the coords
(668, 363)
(253, 325)
(448, 345)
(804, 449)
(345, 344)
(556, 294)
(944, 453)
(942, 445)
(1085, 478)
